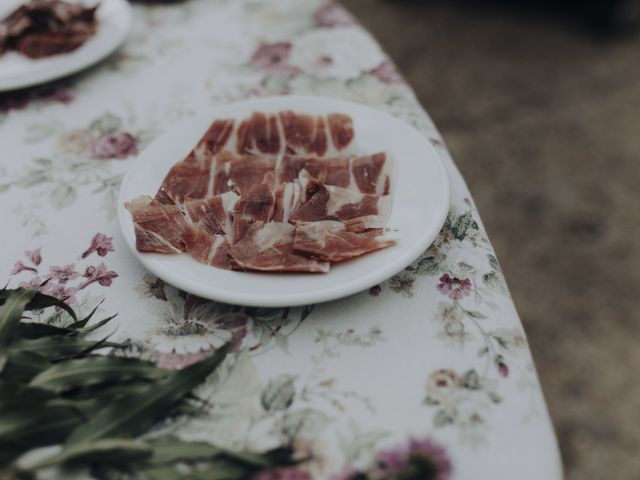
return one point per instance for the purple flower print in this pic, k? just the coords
(63, 274)
(98, 274)
(427, 449)
(99, 243)
(422, 459)
(114, 145)
(331, 15)
(60, 291)
(375, 290)
(454, 287)
(273, 58)
(387, 73)
(287, 473)
(21, 267)
(34, 256)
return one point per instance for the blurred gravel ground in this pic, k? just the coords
(543, 119)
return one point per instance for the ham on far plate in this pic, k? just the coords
(273, 192)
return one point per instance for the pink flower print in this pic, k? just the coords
(273, 58)
(63, 274)
(21, 267)
(60, 291)
(114, 145)
(99, 243)
(177, 361)
(287, 473)
(34, 283)
(332, 15)
(503, 368)
(387, 73)
(35, 256)
(61, 96)
(98, 274)
(454, 287)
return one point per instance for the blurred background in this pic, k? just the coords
(539, 104)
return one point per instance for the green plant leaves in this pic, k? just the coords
(10, 315)
(55, 389)
(134, 414)
(94, 370)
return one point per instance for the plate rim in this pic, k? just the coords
(61, 71)
(286, 299)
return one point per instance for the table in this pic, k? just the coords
(436, 355)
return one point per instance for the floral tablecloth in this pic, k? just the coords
(433, 359)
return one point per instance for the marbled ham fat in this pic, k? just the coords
(331, 241)
(280, 192)
(269, 248)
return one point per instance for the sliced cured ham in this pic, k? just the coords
(215, 140)
(275, 192)
(205, 247)
(269, 248)
(366, 174)
(186, 180)
(359, 211)
(290, 196)
(240, 173)
(256, 206)
(159, 228)
(332, 242)
(213, 213)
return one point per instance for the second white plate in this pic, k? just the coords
(114, 24)
(421, 201)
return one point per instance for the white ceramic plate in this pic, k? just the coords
(114, 24)
(419, 209)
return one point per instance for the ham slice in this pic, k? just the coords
(290, 196)
(269, 248)
(205, 247)
(158, 227)
(359, 211)
(366, 174)
(185, 180)
(332, 242)
(240, 173)
(213, 213)
(256, 206)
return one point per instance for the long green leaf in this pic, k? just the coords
(10, 314)
(22, 365)
(14, 395)
(29, 428)
(32, 330)
(134, 414)
(170, 450)
(59, 348)
(41, 301)
(81, 323)
(84, 372)
(113, 451)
